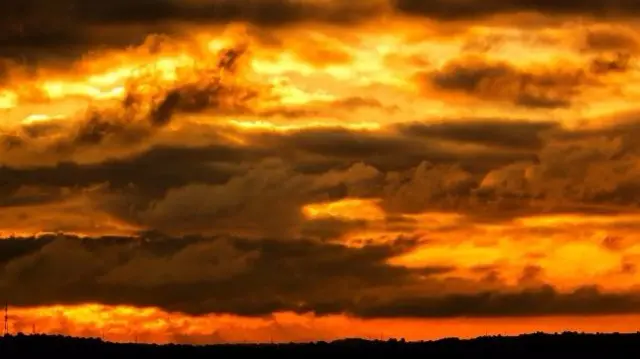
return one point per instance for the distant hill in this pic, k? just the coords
(538, 345)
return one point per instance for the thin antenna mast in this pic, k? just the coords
(6, 318)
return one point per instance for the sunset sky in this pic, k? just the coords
(250, 170)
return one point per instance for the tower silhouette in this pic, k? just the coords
(6, 318)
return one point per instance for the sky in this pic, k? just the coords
(204, 171)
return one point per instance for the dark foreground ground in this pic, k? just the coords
(567, 346)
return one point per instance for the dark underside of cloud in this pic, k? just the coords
(554, 87)
(31, 30)
(39, 28)
(247, 277)
(489, 169)
(474, 9)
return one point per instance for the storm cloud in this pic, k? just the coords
(413, 170)
(245, 277)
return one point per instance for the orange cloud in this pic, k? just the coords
(401, 157)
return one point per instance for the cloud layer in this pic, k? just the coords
(256, 278)
(433, 160)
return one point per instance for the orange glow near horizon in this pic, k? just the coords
(150, 325)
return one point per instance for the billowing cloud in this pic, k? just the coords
(502, 82)
(417, 168)
(235, 276)
(169, 273)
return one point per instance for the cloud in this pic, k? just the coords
(246, 204)
(499, 81)
(239, 276)
(539, 302)
(496, 169)
(428, 187)
(149, 104)
(143, 171)
(255, 278)
(570, 170)
(386, 151)
(260, 12)
(593, 171)
(511, 134)
(473, 9)
(611, 38)
(205, 90)
(70, 27)
(200, 262)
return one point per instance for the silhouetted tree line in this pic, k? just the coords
(566, 345)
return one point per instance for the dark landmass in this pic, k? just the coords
(538, 345)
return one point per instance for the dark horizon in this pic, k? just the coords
(534, 345)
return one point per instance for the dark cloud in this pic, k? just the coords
(500, 81)
(537, 302)
(153, 171)
(26, 196)
(524, 168)
(611, 39)
(582, 171)
(13, 248)
(511, 134)
(473, 9)
(386, 152)
(246, 203)
(197, 275)
(248, 277)
(340, 142)
(259, 12)
(69, 27)
(221, 188)
(445, 187)
(596, 167)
